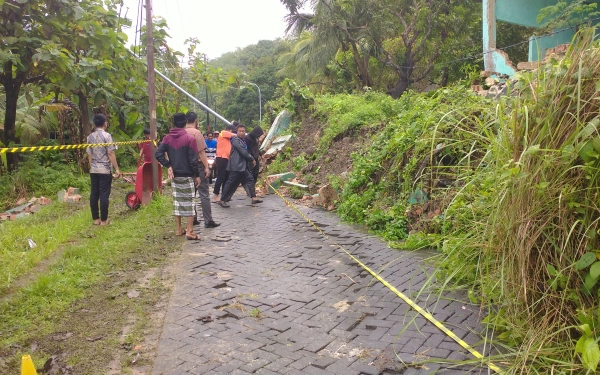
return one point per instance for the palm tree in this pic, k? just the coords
(334, 27)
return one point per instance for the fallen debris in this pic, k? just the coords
(24, 208)
(71, 195)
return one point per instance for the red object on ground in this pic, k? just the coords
(143, 185)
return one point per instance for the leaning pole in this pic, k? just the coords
(151, 91)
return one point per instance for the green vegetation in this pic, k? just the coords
(419, 135)
(33, 179)
(507, 191)
(523, 230)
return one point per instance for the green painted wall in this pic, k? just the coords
(521, 12)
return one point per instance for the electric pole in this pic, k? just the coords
(151, 92)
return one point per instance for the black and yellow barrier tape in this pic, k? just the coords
(69, 147)
(408, 301)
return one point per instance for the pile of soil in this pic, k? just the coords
(336, 160)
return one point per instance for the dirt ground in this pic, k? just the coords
(336, 161)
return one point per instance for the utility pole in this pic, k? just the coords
(151, 92)
(206, 87)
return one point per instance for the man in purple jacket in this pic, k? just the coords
(182, 153)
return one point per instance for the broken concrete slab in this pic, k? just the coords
(276, 180)
(296, 184)
(277, 145)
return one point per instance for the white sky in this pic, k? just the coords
(220, 25)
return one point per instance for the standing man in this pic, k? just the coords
(238, 167)
(253, 140)
(100, 159)
(192, 129)
(182, 152)
(223, 151)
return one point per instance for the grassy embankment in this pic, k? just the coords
(79, 273)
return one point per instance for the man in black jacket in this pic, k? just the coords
(253, 140)
(182, 152)
(238, 167)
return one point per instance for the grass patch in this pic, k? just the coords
(50, 228)
(91, 275)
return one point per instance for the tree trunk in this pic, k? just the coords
(363, 67)
(12, 88)
(400, 87)
(445, 77)
(444, 36)
(122, 120)
(86, 126)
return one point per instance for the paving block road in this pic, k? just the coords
(266, 293)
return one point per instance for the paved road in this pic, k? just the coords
(266, 293)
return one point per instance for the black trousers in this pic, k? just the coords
(101, 185)
(222, 174)
(233, 182)
(255, 171)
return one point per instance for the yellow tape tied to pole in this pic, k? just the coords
(12, 150)
(408, 301)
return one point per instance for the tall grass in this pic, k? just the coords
(524, 228)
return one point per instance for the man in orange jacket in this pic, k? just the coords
(223, 151)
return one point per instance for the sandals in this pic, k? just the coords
(195, 237)
(97, 222)
(256, 200)
(103, 223)
(223, 204)
(180, 234)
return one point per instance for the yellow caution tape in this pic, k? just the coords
(410, 302)
(69, 147)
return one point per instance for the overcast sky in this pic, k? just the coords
(220, 25)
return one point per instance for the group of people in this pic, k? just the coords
(184, 152)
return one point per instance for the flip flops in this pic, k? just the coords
(195, 237)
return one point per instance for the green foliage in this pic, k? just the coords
(290, 96)
(567, 12)
(282, 162)
(418, 137)
(522, 230)
(346, 115)
(33, 179)
(296, 193)
(300, 162)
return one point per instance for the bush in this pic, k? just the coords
(31, 179)
(420, 139)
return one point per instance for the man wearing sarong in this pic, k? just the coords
(182, 153)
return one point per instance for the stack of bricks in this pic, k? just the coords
(71, 195)
(24, 208)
